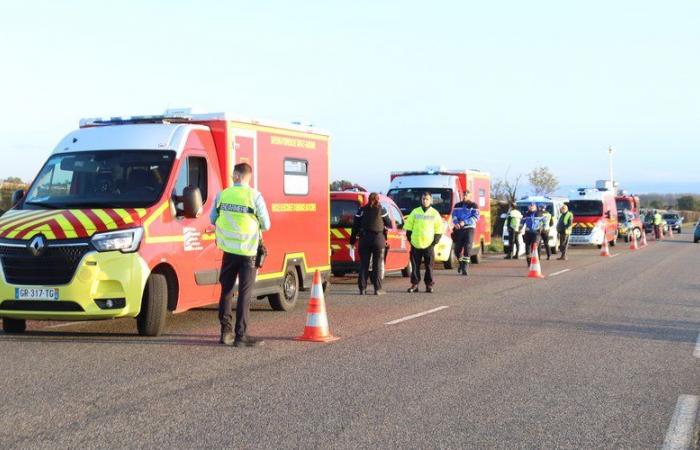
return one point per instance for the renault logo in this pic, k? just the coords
(37, 245)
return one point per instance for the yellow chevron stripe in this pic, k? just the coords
(83, 219)
(109, 223)
(30, 225)
(66, 227)
(15, 220)
(126, 217)
(48, 233)
(141, 212)
(337, 233)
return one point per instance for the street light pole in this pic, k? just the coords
(610, 165)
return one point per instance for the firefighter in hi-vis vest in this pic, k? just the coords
(424, 227)
(240, 217)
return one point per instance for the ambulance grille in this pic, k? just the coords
(581, 231)
(55, 266)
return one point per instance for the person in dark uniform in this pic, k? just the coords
(532, 224)
(465, 216)
(371, 224)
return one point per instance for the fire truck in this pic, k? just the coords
(116, 224)
(446, 188)
(595, 216)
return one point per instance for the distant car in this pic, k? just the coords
(696, 237)
(649, 224)
(674, 221)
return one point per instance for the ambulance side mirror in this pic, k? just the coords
(17, 196)
(191, 202)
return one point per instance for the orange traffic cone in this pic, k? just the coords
(604, 249)
(633, 241)
(535, 270)
(644, 238)
(316, 329)
(670, 232)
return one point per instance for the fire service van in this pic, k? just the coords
(446, 188)
(595, 216)
(116, 224)
(629, 220)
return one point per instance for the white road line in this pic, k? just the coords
(413, 316)
(616, 254)
(559, 273)
(680, 431)
(696, 352)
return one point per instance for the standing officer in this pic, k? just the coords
(547, 222)
(532, 224)
(240, 217)
(371, 223)
(658, 225)
(564, 227)
(513, 224)
(424, 228)
(464, 217)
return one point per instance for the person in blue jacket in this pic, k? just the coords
(532, 223)
(465, 216)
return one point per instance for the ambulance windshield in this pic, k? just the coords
(101, 179)
(586, 207)
(407, 199)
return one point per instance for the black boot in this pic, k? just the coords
(465, 271)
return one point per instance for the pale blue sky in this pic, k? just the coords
(399, 85)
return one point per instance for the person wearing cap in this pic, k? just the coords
(564, 227)
(532, 227)
(424, 228)
(547, 222)
(513, 224)
(240, 217)
(371, 224)
(465, 216)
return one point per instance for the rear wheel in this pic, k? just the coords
(406, 271)
(154, 306)
(14, 325)
(476, 257)
(287, 299)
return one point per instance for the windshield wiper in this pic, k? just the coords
(44, 205)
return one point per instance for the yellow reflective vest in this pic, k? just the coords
(237, 227)
(424, 225)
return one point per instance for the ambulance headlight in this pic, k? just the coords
(126, 241)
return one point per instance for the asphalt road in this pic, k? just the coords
(593, 357)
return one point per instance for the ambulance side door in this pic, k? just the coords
(397, 240)
(199, 259)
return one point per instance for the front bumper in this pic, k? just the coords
(443, 249)
(595, 238)
(100, 276)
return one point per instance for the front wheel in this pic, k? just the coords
(406, 271)
(14, 325)
(476, 257)
(154, 306)
(286, 300)
(451, 260)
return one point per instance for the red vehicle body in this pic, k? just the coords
(173, 264)
(595, 217)
(628, 216)
(344, 206)
(446, 187)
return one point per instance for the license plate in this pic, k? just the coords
(36, 294)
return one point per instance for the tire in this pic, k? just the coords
(638, 233)
(14, 326)
(680, 230)
(154, 306)
(613, 243)
(406, 271)
(287, 299)
(696, 240)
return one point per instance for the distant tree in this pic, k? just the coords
(543, 181)
(688, 203)
(14, 180)
(341, 185)
(506, 189)
(656, 204)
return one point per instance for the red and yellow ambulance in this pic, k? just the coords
(116, 224)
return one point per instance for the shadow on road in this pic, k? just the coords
(63, 337)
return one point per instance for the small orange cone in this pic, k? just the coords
(604, 249)
(316, 329)
(535, 270)
(644, 238)
(670, 232)
(633, 241)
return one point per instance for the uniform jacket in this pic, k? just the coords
(467, 212)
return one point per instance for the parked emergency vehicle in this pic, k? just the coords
(553, 205)
(628, 216)
(595, 217)
(116, 224)
(446, 188)
(344, 206)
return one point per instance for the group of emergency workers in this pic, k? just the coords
(535, 226)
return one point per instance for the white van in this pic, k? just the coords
(553, 205)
